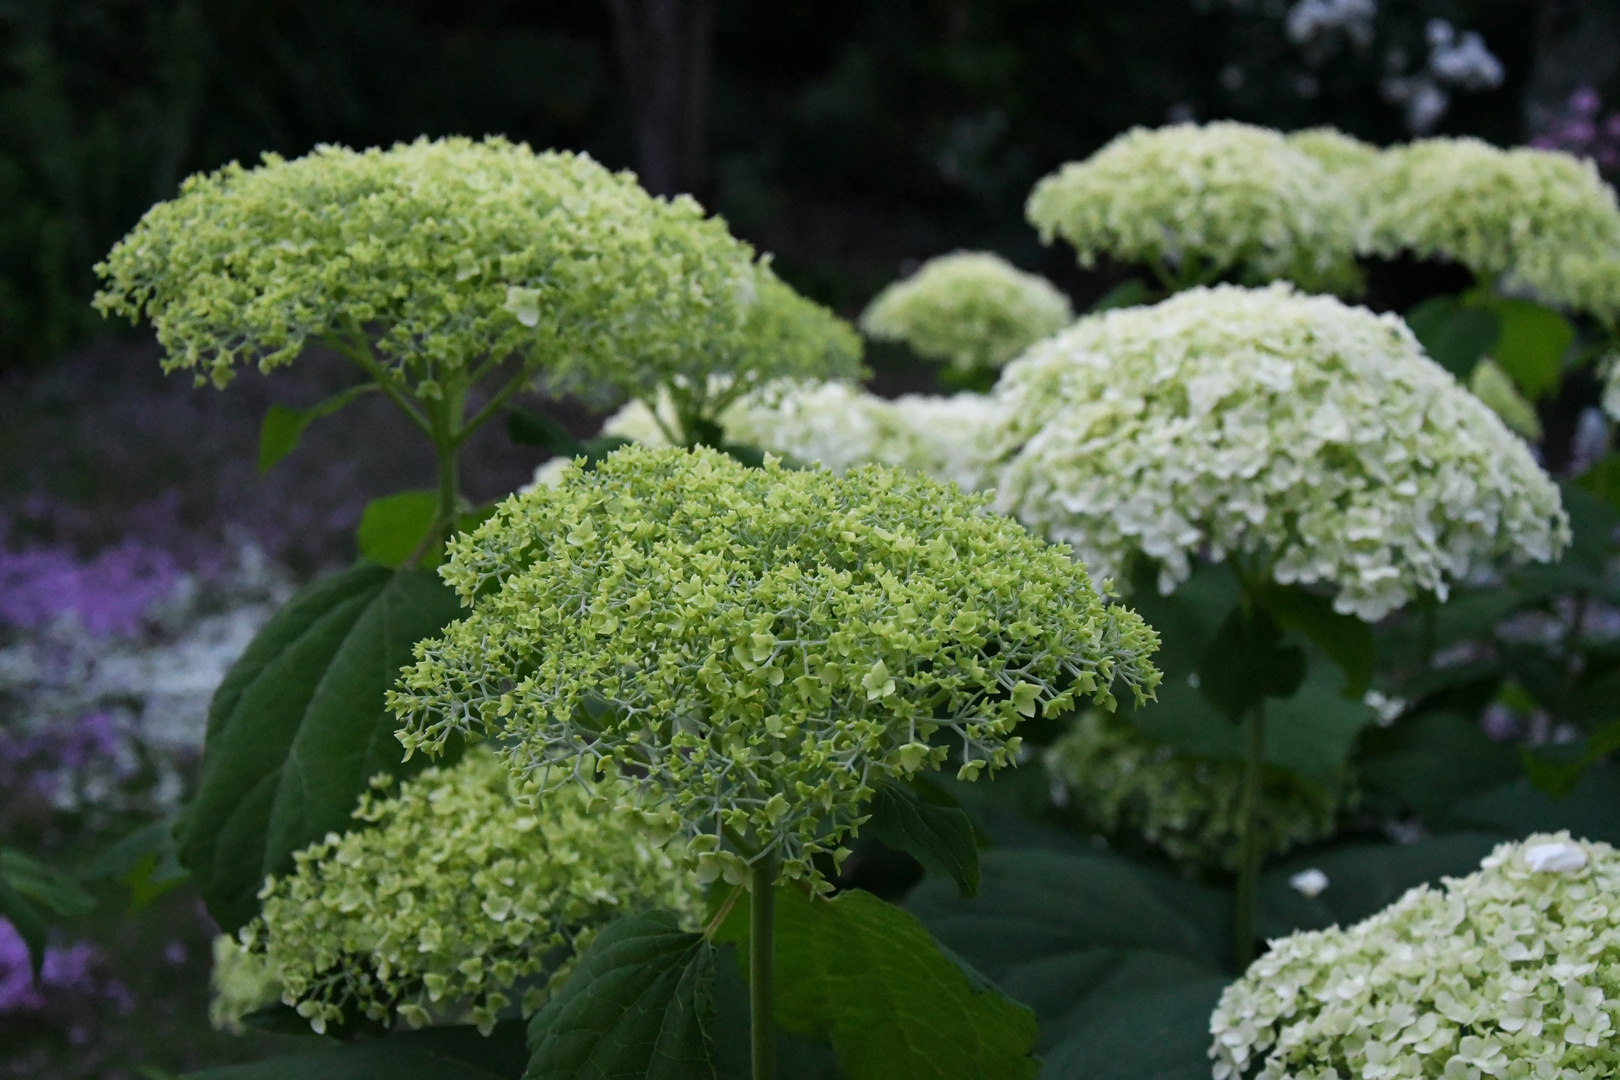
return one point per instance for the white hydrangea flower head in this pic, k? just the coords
(465, 885)
(1512, 972)
(1190, 808)
(1343, 155)
(838, 425)
(1200, 202)
(1265, 421)
(1540, 220)
(973, 309)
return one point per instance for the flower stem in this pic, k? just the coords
(1248, 882)
(761, 967)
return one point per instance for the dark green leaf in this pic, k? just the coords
(1603, 481)
(867, 977)
(1128, 293)
(1157, 1036)
(1591, 811)
(600, 447)
(51, 889)
(1430, 763)
(1558, 777)
(1363, 879)
(396, 1057)
(530, 427)
(1532, 343)
(26, 919)
(1454, 334)
(637, 1006)
(394, 527)
(298, 727)
(284, 427)
(939, 837)
(1346, 640)
(147, 861)
(1247, 662)
(797, 1058)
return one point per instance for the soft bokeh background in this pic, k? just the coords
(139, 547)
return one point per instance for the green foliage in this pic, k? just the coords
(283, 427)
(1247, 662)
(743, 653)
(866, 976)
(450, 1053)
(299, 726)
(395, 527)
(639, 1006)
(1532, 345)
(939, 837)
(146, 861)
(1456, 335)
(26, 886)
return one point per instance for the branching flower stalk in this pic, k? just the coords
(459, 268)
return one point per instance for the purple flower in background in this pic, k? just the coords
(71, 970)
(110, 594)
(1578, 130)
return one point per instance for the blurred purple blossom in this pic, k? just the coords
(1577, 129)
(71, 970)
(109, 594)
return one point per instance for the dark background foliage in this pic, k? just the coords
(847, 136)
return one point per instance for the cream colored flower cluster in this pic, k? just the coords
(463, 886)
(972, 309)
(1191, 808)
(839, 426)
(1264, 421)
(1512, 972)
(743, 654)
(1199, 202)
(1540, 220)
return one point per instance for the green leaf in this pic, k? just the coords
(1346, 640)
(1532, 343)
(1559, 777)
(299, 726)
(531, 427)
(451, 1053)
(1591, 811)
(637, 1006)
(27, 920)
(50, 888)
(1454, 334)
(866, 976)
(1248, 662)
(282, 428)
(1157, 1036)
(1127, 293)
(1429, 763)
(1080, 936)
(147, 861)
(939, 837)
(1602, 481)
(1363, 879)
(393, 528)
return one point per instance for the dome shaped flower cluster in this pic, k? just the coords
(1264, 421)
(838, 425)
(1190, 808)
(741, 655)
(455, 252)
(1199, 202)
(1512, 972)
(1541, 220)
(972, 309)
(465, 884)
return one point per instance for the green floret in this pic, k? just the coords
(972, 309)
(741, 655)
(465, 887)
(431, 260)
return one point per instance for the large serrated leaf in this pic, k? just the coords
(867, 977)
(298, 727)
(448, 1053)
(939, 837)
(638, 1006)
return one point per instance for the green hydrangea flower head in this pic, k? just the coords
(1308, 433)
(465, 886)
(1190, 808)
(1343, 155)
(972, 309)
(1512, 972)
(1198, 203)
(838, 425)
(445, 255)
(1539, 220)
(740, 655)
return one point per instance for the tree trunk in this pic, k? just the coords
(665, 49)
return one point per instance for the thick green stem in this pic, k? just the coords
(1249, 853)
(762, 967)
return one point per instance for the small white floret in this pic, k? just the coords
(1554, 858)
(1309, 883)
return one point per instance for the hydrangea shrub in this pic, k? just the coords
(972, 309)
(1510, 972)
(1196, 203)
(741, 655)
(464, 884)
(1264, 421)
